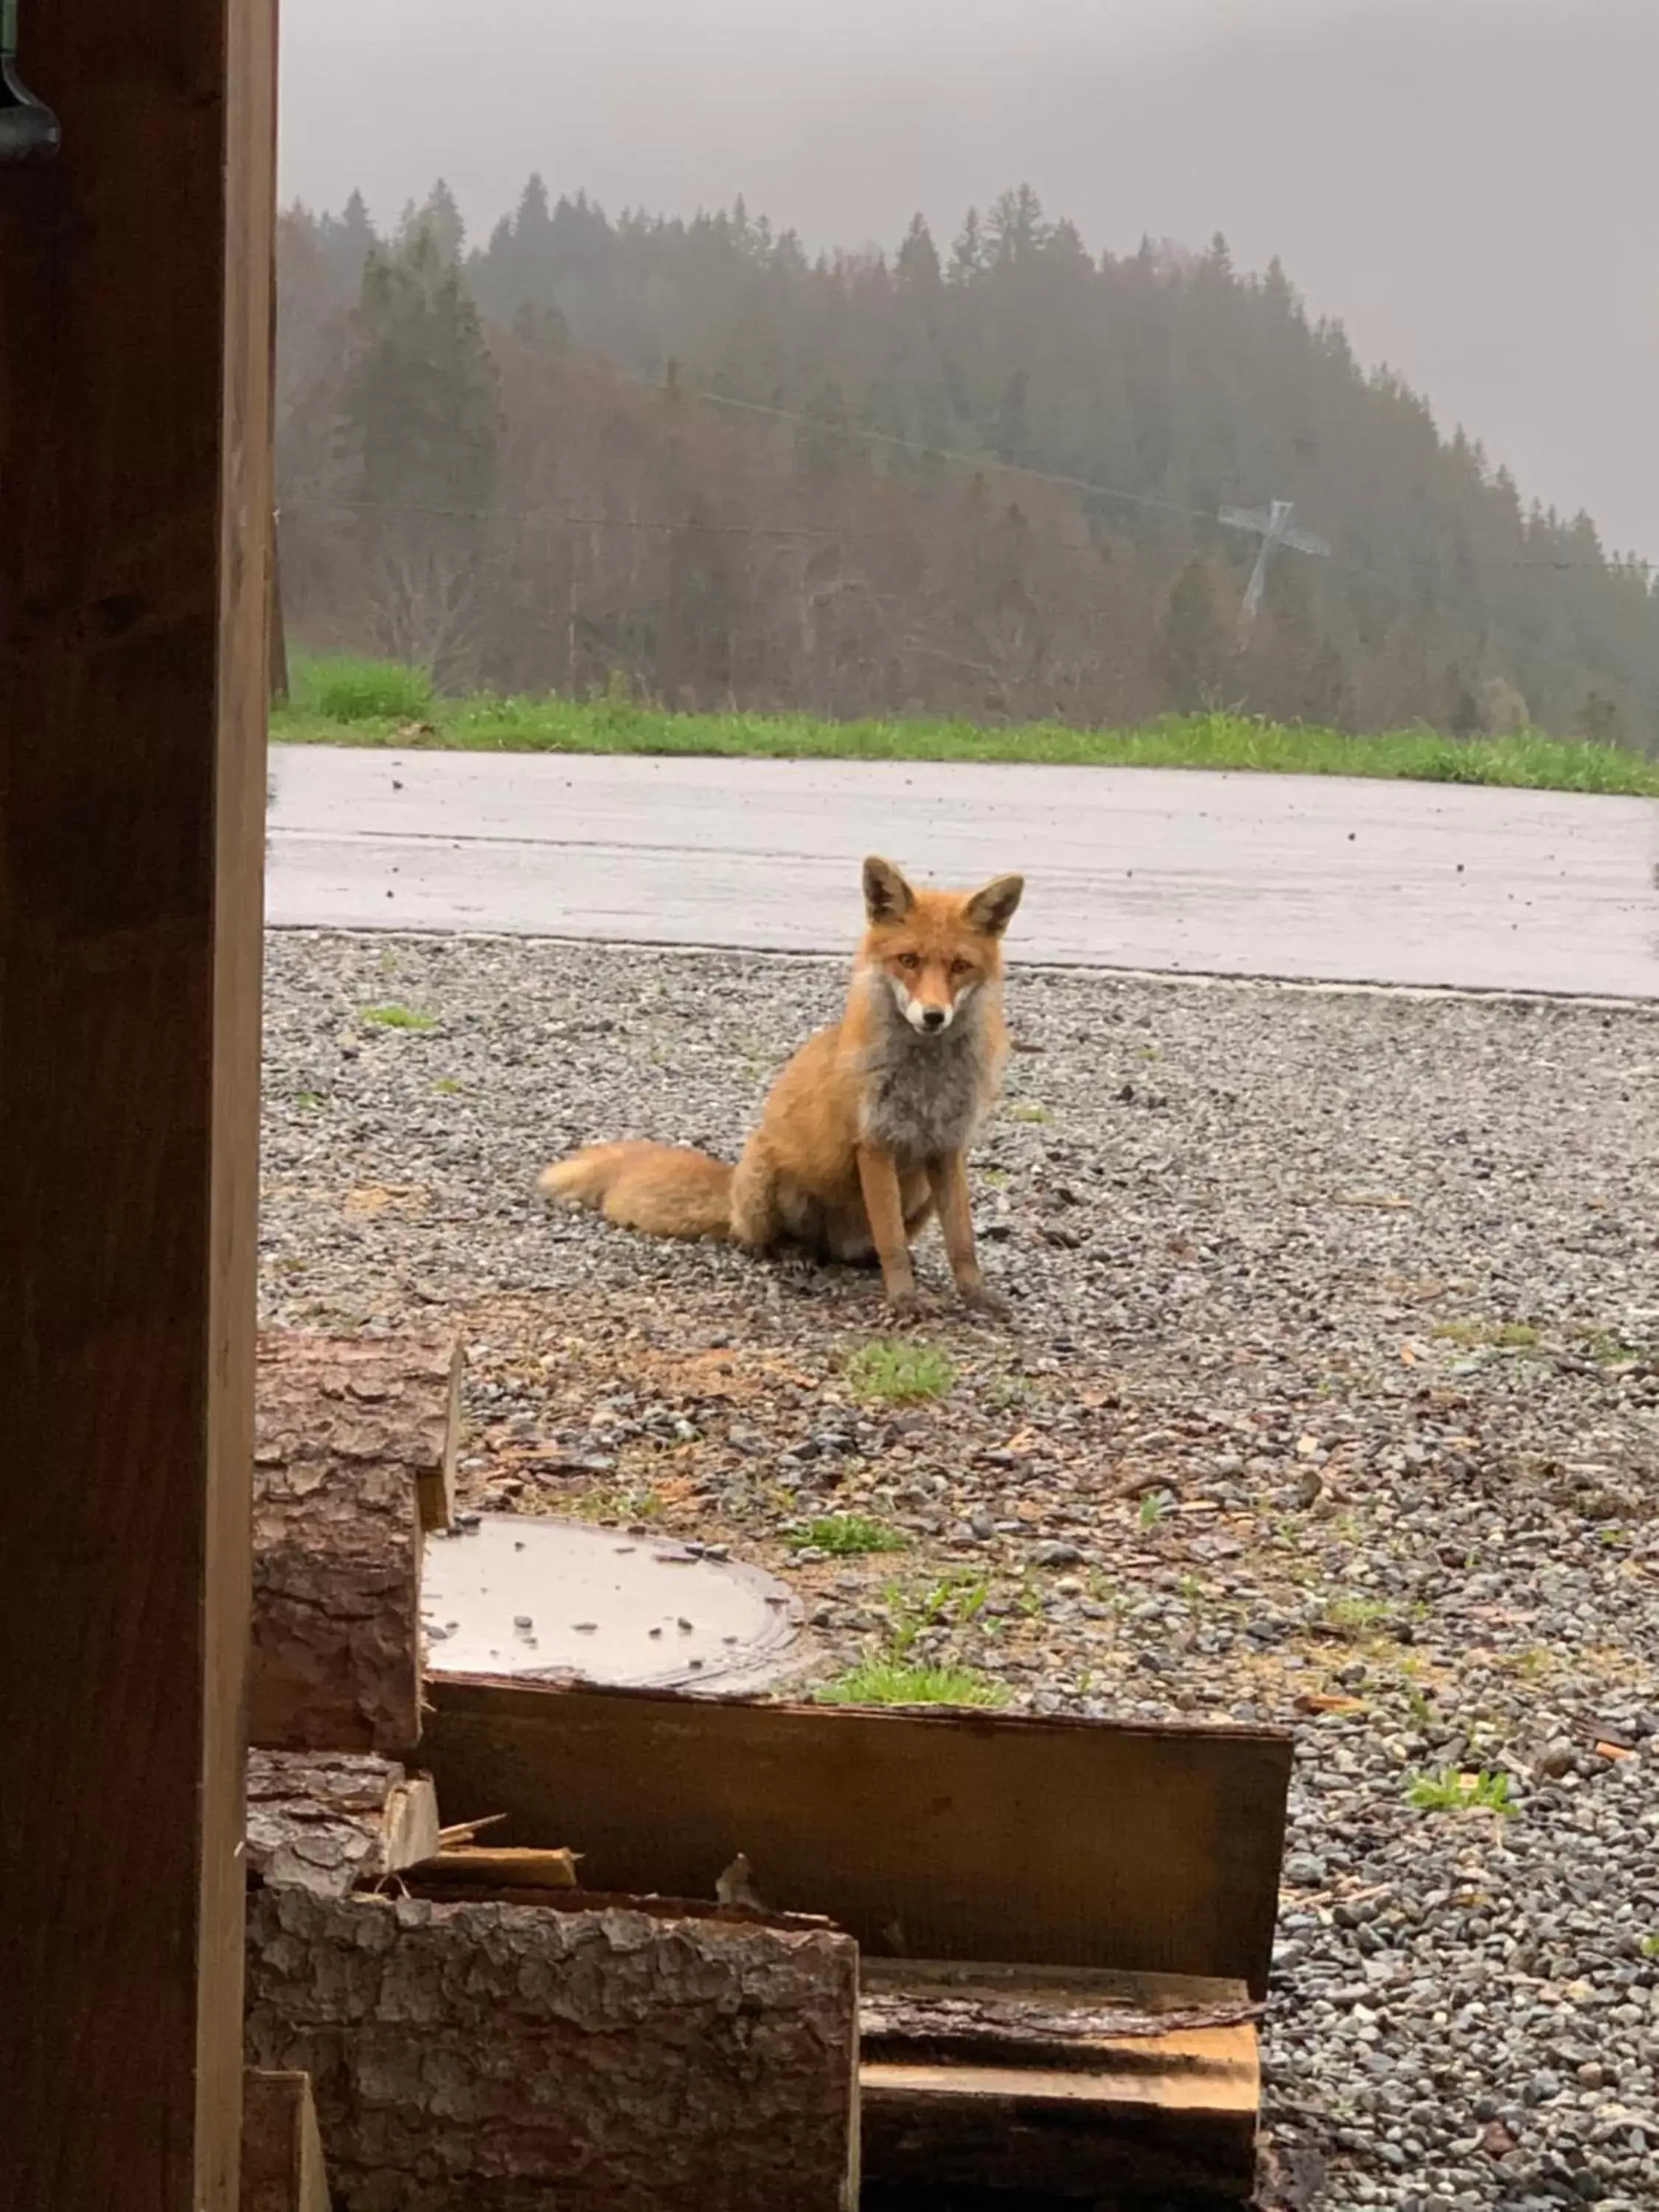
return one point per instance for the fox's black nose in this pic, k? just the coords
(933, 1018)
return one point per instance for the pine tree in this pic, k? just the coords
(348, 240)
(917, 267)
(1016, 228)
(420, 420)
(968, 254)
(438, 220)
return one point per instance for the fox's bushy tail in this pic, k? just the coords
(662, 1190)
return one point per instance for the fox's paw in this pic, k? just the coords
(979, 1300)
(904, 1305)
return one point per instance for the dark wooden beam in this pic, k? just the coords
(134, 528)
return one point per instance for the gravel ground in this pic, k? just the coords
(1332, 1398)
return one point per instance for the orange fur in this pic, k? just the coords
(864, 1133)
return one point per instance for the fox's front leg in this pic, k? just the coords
(947, 1178)
(879, 1179)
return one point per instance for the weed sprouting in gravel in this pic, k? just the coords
(397, 1018)
(895, 1372)
(1448, 1791)
(845, 1535)
(952, 1602)
(1355, 1616)
(1488, 1335)
(889, 1682)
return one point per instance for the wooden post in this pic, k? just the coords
(134, 514)
(278, 630)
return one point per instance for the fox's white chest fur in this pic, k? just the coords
(926, 1096)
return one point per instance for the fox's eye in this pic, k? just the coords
(910, 961)
(959, 966)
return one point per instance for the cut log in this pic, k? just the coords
(1057, 2083)
(510, 2058)
(354, 1447)
(330, 1820)
(413, 1381)
(282, 2152)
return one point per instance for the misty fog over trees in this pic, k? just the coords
(683, 456)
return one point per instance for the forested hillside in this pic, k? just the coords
(685, 456)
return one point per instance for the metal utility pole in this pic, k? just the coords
(1275, 526)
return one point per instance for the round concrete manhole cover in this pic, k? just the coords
(545, 1600)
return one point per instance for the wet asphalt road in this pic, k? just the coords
(1302, 878)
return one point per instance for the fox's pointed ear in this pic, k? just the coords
(887, 897)
(993, 908)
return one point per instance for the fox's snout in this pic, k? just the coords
(926, 1010)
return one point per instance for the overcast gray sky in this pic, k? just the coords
(1470, 185)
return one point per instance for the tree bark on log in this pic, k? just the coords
(281, 2153)
(510, 2058)
(354, 1453)
(329, 1819)
(415, 1381)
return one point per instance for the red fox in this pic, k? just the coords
(864, 1134)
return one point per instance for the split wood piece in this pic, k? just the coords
(414, 1381)
(503, 1869)
(976, 1836)
(517, 2057)
(329, 1819)
(1085, 2085)
(282, 2151)
(348, 1431)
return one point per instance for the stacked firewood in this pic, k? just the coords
(443, 2024)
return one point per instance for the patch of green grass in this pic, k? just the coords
(890, 1683)
(447, 1087)
(1608, 1350)
(1529, 761)
(354, 693)
(844, 1535)
(895, 1372)
(1028, 1109)
(397, 1018)
(1355, 1616)
(1448, 1791)
(618, 1503)
(952, 1603)
(1487, 1335)
(311, 1100)
(1155, 1507)
(1650, 1946)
